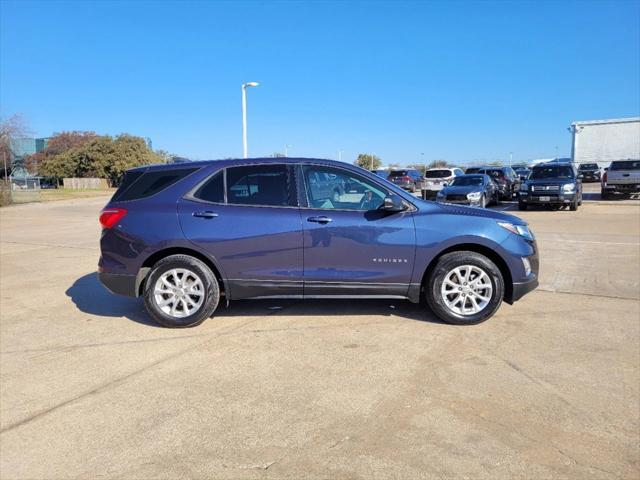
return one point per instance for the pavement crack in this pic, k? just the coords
(565, 292)
(57, 245)
(68, 348)
(113, 383)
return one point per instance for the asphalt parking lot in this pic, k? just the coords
(549, 388)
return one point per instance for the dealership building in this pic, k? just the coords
(603, 141)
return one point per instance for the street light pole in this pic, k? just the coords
(244, 116)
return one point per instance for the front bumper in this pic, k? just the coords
(474, 203)
(520, 289)
(590, 177)
(547, 198)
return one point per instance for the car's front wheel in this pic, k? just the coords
(181, 291)
(464, 288)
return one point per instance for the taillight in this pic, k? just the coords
(110, 216)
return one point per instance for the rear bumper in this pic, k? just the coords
(630, 188)
(127, 285)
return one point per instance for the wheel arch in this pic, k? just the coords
(482, 250)
(152, 259)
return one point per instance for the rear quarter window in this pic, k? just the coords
(141, 185)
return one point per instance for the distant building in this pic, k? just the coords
(602, 141)
(22, 147)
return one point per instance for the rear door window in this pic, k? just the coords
(212, 190)
(266, 185)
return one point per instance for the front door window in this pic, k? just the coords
(335, 189)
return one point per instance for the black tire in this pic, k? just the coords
(211, 291)
(574, 205)
(522, 206)
(448, 262)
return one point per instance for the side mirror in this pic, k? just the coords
(393, 203)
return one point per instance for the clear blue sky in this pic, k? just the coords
(461, 81)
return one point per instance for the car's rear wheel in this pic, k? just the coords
(181, 291)
(464, 288)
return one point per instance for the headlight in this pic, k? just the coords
(568, 188)
(474, 196)
(522, 230)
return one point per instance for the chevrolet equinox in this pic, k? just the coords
(184, 235)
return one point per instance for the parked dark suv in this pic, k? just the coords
(182, 236)
(589, 172)
(553, 184)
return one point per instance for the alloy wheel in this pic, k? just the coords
(179, 292)
(466, 290)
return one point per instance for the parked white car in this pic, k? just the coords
(435, 179)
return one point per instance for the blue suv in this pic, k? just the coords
(185, 235)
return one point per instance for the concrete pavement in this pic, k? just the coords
(319, 389)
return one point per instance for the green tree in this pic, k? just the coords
(166, 157)
(103, 156)
(368, 161)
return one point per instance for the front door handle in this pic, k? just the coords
(205, 214)
(321, 219)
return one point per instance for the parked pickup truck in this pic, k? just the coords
(622, 176)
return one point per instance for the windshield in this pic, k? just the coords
(588, 166)
(551, 172)
(626, 165)
(467, 181)
(437, 173)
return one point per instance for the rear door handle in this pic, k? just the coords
(205, 214)
(321, 219)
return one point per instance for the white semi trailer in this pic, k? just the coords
(605, 141)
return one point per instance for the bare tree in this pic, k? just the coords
(11, 128)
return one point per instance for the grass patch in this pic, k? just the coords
(68, 193)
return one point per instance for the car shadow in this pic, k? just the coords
(90, 296)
